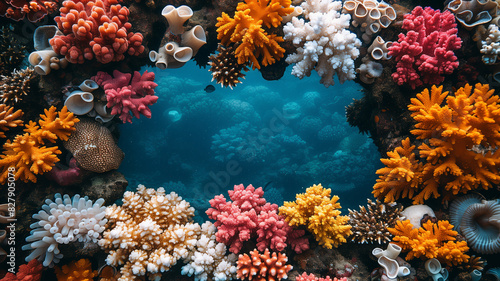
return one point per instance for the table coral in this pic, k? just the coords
(464, 130)
(431, 240)
(95, 29)
(249, 216)
(128, 96)
(149, 233)
(80, 270)
(263, 267)
(246, 28)
(427, 47)
(34, 10)
(320, 214)
(28, 153)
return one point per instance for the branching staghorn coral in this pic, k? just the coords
(370, 224)
(431, 240)
(247, 29)
(13, 88)
(9, 118)
(458, 153)
(149, 233)
(320, 214)
(28, 153)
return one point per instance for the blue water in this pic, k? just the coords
(286, 135)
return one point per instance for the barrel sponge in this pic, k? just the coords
(94, 148)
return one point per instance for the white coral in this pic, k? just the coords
(63, 221)
(323, 42)
(491, 45)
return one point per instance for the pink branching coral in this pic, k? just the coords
(125, 96)
(427, 47)
(95, 29)
(249, 216)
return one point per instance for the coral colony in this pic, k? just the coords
(430, 79)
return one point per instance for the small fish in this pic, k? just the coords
(209, 88)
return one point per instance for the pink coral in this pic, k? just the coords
(248, 216)
(95, 29)
(311, 277)
(427, 47)
(126, 99)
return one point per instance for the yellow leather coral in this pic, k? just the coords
(459, 148)
(9, 118)
(246, 30)
(431, 240)
(80, 270)
(26, 156)
(320, 214)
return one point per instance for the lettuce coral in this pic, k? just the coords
(320, 214)
(431, 240)
(28, 153)
(458, 153)
(246, 30)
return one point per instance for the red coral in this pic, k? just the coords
(95, 28)
(427, 47)
(263, 267)
(27, 272)
(126, 99)
(311, 277)
(34, 10)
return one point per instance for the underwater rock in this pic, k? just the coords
(110, 186)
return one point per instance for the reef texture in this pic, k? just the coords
(320, 214)
(458, 153)
(95, 29)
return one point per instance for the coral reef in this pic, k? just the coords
(127, 95)
(225, 68)
(431, 240)
(93, 147)
(370, 223)
(63, 221)
(28, 154)
(246, 29)
(80, 270)
(95, 29)
(427, 47)
(149, 233)
(261, 267)
(460, 132)
(320, 214)
(16, 86)
(324, 42)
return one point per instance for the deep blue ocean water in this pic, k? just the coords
(283, 135)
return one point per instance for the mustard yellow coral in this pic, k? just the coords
(246, 30)
(321, 215)
(80, 270)
(9, 118)
(458, 153)
(431, 240)
(27, 155)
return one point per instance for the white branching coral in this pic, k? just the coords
(490, 47)
(149, 233)
(323, 42)
(209, 261)
(63, 221)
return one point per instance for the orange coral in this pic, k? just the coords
(459, 148)
(9, 118)
(27, 153)
(263, 267)
(246, 28)
(431, 240)
(80, 270)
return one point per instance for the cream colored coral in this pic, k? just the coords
(149, 233)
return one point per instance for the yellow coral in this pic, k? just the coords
(320, 213)
(76, 271)
(9, 118)
(246, 30)
(459, 148)
(431, 240)
(27, 156)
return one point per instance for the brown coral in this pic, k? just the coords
(9, 118)
(370, 224)
(225, 67)
(11, 52)
(15, 87)
(94, 148)
(263, 267)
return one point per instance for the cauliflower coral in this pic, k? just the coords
(320, 214)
